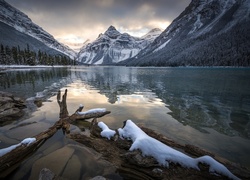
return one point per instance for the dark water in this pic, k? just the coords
(207, 107)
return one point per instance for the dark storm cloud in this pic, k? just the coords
(88, 18)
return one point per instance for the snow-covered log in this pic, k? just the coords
(92, 113)
(164, 154)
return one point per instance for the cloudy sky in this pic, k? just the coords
(75, 21)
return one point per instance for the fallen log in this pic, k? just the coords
(135, 165)
(11, 160)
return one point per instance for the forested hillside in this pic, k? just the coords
(15, 55)
(206, 33)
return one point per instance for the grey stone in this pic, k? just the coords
(46, 174)
(11, 108)
(98, 178)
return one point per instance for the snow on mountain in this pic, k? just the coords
(151, 35)
(22, 23)
(113, 47)
(207, 32)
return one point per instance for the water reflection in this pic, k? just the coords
(201, 98)
(27, 82)
(208, 107)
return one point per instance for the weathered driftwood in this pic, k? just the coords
(62, 104)
(12, 160)
(133, 165)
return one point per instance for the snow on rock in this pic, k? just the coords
(96, 110)
(162, 46)
(114, 47)
(99, 61)
(197, 24)
(165, 154)
(26, 141)
(106, 132)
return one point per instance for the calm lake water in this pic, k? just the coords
(206, 107)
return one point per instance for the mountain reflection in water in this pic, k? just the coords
(208, 107)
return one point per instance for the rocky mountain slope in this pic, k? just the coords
(113, 47)
(206, 33)
(18, 29)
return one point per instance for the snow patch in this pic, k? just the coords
(99, 61)
(26, 141)
(96, 110)
(8, 149)
(197, 24)
(106, 132)
(165, 154)
(162, 46)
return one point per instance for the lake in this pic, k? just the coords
(206, 107)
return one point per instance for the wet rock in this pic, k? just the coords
(38, 102)
(11, 108)
(55, 161)
(73, 168)
(5, 94)
(23, 124)
(46, 174)
(98, 178)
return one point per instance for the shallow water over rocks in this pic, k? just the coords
(207, 107)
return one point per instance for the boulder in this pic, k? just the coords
(11, 108)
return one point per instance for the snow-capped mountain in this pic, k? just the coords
(113, 47)
(23, 24)
(207, 32)
(151, 35)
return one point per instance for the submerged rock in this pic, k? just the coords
(73, 168)
(46, 174)
(11, 108)
(98, 178)
(55, 161)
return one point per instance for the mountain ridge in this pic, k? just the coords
(112, 47)
(204, 34)
(22, 23)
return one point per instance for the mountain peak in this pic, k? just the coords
(152, 34)
(112, 32)
(111, 28)
(155, 30)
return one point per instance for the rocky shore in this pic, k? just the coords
(11, 108)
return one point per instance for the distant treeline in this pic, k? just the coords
(15, 55)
